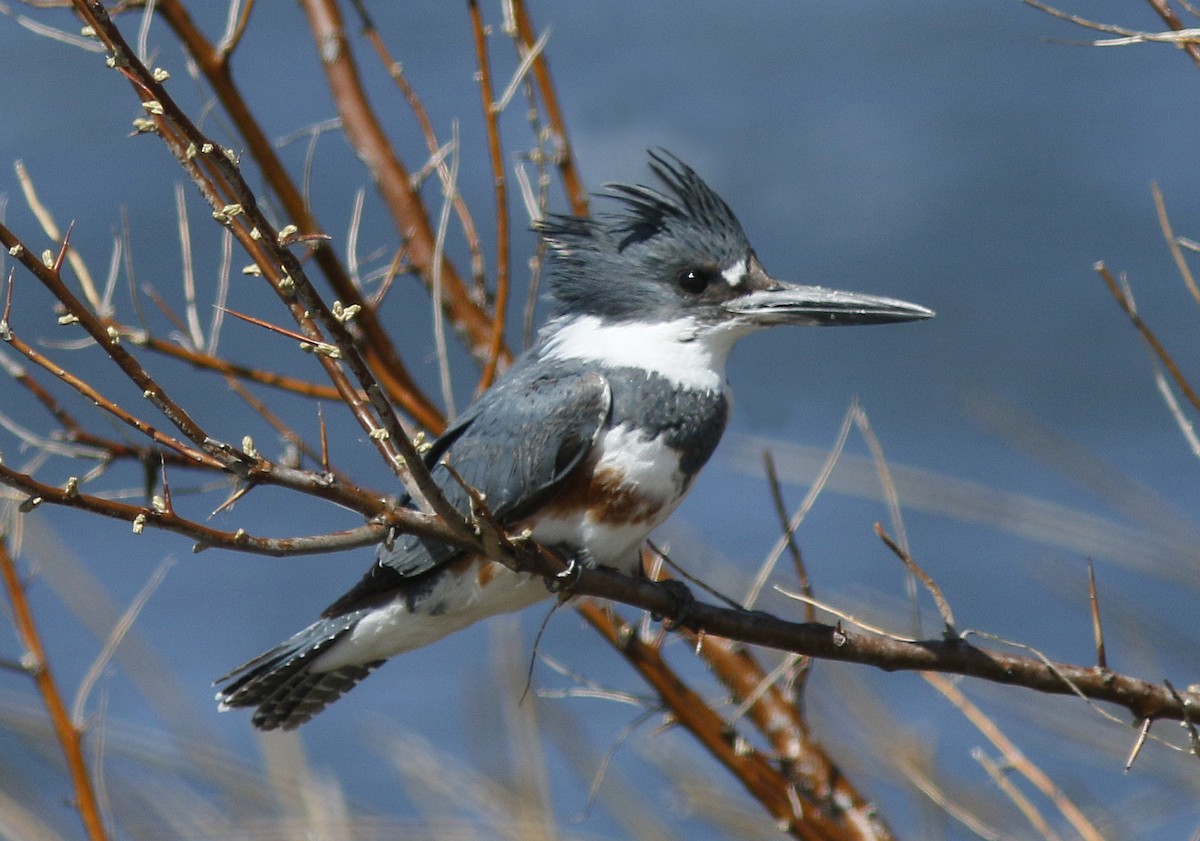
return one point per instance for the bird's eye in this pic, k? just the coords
(694, 281)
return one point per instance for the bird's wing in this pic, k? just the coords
(516, 445)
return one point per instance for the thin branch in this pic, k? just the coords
(235, 27)
(563, 157)
(491, 116)
(943, 606)
(449, 188)
(213, 62)
(219, 365)
(806, 505)
(70, 738)
(194, 332)
(1185, 425)
(789, 533)
(1139, 743)
(1013, 756)
(366, 134)
(1164, 222)
(1148, 336)
(46, 220)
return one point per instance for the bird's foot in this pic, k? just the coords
(683, 599)
(568, 577)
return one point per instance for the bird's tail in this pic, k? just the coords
(281, 683)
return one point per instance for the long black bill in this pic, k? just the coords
(790, 303)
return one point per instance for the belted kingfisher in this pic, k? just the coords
(589, 441)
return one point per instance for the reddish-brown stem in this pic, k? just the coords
(374, 532)
(70, 738)
(96, 328)
(365, 133)
(223, 366)
(396, 71)
(380, 351)
(491, 118)
(1164, 10)
(1148, 336)
(771, 788)
(819, 780)
(564, 158)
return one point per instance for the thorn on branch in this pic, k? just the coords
(1097, 628)
(1138, 743)
(949, 631)
(1187, 723)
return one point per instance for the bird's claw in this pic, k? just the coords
(567, 578)
(683, 599)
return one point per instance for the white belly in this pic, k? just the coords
(641, 482)
(640, 477)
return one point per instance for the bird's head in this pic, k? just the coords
(679, 254)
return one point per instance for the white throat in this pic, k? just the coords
(688, 354)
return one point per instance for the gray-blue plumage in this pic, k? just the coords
(589, 441)
(653, 234)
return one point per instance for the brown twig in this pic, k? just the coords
(1148, 336)
(789, 533)
(491, 118)
(771, 788)
(563, 156)
(396, 71)
(37, 665)
(819, 781)
(365, 133)
(206, 362)
(1164, 10)
(213, 62)
(1097, 628)
(1164, 222)
(943, 606)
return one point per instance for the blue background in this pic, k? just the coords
(964, 156)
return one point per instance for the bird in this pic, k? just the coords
(587, 443)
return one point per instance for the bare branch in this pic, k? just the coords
(563, 156)
(35, 662)
(1148, 336)
(214, 64)
(364, 131)
(497, 351)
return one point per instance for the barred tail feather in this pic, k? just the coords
(281, 683)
